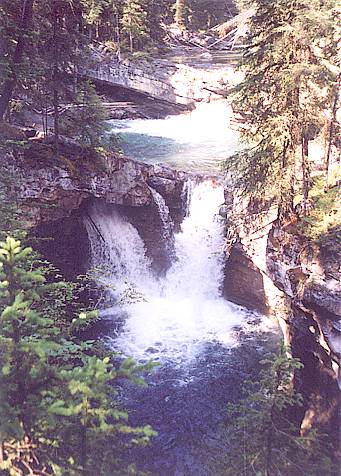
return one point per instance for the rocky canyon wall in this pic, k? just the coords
(276, 270)
(54, 191)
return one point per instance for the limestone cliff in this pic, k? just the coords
(275, 269)
(54, 190)
(49, 186)
(270, 267)
(167, 80)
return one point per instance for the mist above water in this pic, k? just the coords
(205, 345)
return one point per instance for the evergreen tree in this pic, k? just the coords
(85, 119)
(51, 41)
(19, 31)
(287, 73)
(134, 22)
(91, 421)
(58, 399)
(26, 338)
(180, 13)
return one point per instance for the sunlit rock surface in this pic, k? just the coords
(164, 79)
(49, 187)
(275, 268)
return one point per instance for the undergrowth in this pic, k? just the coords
(323, 223)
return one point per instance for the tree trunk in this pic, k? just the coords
(305, 173)
(268, 453)
(331, 135)
(56, 115)
(118, 38)
(180, 13)
(131, 42)
(2, 453)
(55, 77)
(287, 193)
(10, 83)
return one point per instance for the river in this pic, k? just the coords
(205, 346)
(196, 141)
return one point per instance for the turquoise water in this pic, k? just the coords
(199, 140)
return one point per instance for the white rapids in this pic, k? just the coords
(177, 314)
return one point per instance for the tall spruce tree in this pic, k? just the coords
(286, 88)
(180, 13)
(43, 49)
(15, 43)
(134, 22)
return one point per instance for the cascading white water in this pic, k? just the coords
(183, 310)
(118, 253)
(163, 210)
(207, 122)
(187, 194)
(198, 271)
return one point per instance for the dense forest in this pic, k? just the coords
(60, 33)
(61, 411)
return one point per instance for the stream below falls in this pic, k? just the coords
(205, 346)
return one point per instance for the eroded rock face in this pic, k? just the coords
(301, 287)
(300, 269)
(243, 282)
(163, 79)
(54, 197)
(48, 188)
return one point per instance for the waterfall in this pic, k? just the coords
(163, 211)
(187, 194)
(184, 309)
(198, 270)
(118, 252)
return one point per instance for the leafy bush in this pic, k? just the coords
(323, 222)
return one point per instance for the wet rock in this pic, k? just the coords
(224, 211)
(243, 282)
(163, 185)
(324, 299)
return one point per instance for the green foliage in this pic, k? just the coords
(85, 120)
(8, 211)
(180, 13)
(59, 400)
(24, 357)
(204, 14)
(289, 78)
(87, 399)
(134, 22)
(260, 436)
(323, 223)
